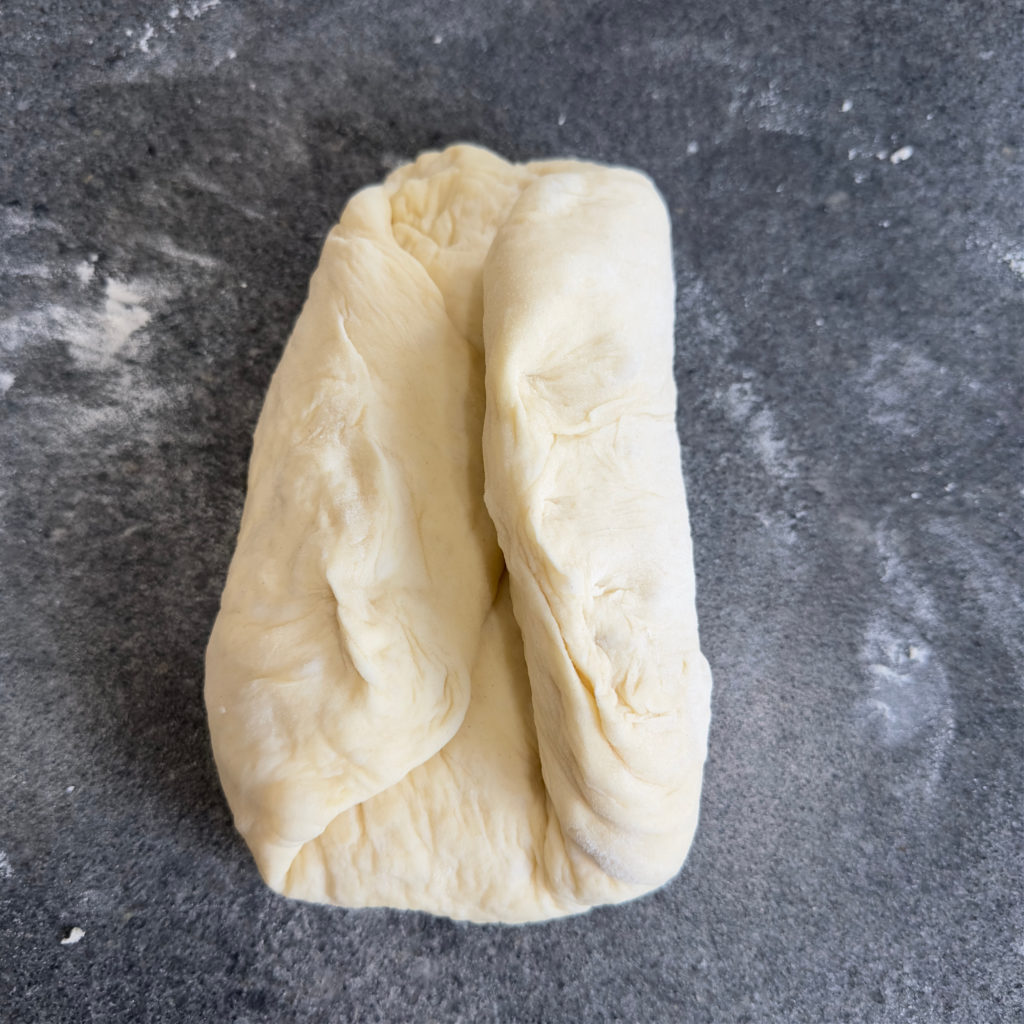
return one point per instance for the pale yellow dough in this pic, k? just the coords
(456, 666)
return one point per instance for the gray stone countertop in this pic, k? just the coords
(847, 188)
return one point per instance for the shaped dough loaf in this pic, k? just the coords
(456, 666)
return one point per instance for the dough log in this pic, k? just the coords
(456, 666)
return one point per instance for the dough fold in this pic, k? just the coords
(456, 666)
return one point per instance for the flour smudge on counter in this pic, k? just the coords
(163, 46)
(736, 393)
(909, 704)
(106, 336)
(87, 316)
(1015, 261)
(744, 407)
(1001, 252)
(995, 586)
(97, 337)
(168, 247)
(893, 381)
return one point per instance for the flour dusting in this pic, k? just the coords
(123, 315)
(198, 8)
(96, 323)
(990, 239)
(96, 338)
(6, 871)
(37, 270)
(741, 404)
(161, 45)
(777, 113)
(996, 586)
(166, 246)
(1015, 261)
(205, 184)
(15, 224)
(909, 700)
(908, 687)
(893, 380)
(669, 51)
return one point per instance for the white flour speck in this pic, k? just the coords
(901, 154)
(847, 106)
(693, 148)
(438, 39)
(1015, 261)
(73, 937)
(147, 33)
(84, 271)
(6, 382)
(6, 871)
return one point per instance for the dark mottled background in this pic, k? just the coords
(847, 187)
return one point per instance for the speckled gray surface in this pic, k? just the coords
(847, 187)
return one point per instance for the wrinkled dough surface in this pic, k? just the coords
(397, 717)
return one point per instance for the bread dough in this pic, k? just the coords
(456, 665)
